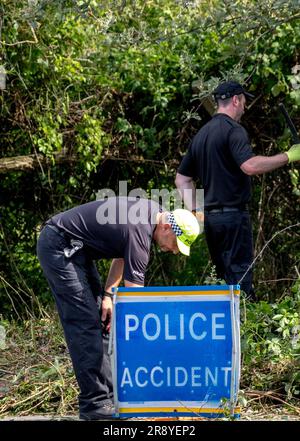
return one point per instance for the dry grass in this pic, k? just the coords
(36, 375)
(36, 378)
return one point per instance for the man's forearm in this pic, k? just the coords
(115, 274)
(263, 164)
(187, 190)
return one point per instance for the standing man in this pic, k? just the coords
(121, 229)
(221, 156)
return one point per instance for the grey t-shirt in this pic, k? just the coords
(114, 228)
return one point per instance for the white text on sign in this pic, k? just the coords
(177, 376)
(198, 325)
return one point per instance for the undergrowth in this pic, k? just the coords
(270, 346)
(36, 375)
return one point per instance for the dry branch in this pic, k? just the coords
(31, 162)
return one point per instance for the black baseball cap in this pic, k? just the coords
(228, 89)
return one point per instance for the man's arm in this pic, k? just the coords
(132, 285)
(258, 165)
(263, 164)
(115, 274)
(187, 190)
(113, 280)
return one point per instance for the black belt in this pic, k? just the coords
(225, 209)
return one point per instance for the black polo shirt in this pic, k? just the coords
(118, 227)
(215, 156)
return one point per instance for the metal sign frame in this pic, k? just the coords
(212, 293)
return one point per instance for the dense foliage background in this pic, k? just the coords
(104, 91)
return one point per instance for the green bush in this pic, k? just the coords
(270, 342)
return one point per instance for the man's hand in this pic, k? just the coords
(106, 314)
(199, 215)
(294, 153)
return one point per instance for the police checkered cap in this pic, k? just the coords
(177, 230)
(187, 227)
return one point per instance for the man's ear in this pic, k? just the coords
(235, 100)
(167, 227)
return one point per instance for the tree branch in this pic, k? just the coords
(31, 162)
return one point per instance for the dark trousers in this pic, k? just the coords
(76, 286)
(230, 243)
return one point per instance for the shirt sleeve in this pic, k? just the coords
(187, 166)
(136, 257)
(239, 145)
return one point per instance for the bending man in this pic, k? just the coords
(121, 229)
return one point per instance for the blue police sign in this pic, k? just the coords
(176, 350)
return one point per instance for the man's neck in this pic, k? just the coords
(227, 112)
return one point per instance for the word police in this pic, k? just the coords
(198, 326)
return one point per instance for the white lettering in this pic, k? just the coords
(156, 368)
(126, 378)
(123, 220)
(216, 326)
(195, 376)
(226, 370)
(214, 379)
(136, 214)
(138, 273)
(177, 376)
(106, 212)
(137, 376)
(144, 324)
(172, 328)
(168, 376)
(167, 330)
(191, 326)
(129, 328)
(181, 321)
(182, 370)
